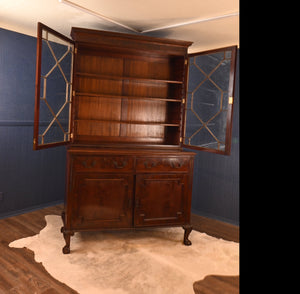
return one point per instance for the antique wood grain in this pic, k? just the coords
(19, 273)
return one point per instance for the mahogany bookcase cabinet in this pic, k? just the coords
(122, 106)
(125, 98)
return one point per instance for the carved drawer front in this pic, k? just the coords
(103, 163)
(157, 164)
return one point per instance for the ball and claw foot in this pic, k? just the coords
(187, 231)
(67, 236)
(66, 250)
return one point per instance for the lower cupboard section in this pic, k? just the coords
(108, 201)
(129, 189)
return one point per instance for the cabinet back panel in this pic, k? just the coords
(159, 69)
(144, 131)
(173, 113)
(153, 111)
(145, 89)
(98, 108)
(125, 132)
(176, 68)
(96, 64)
(146, 111)
(97, 128)
(146, 69)
(124, 141)
(152, 89)
(99, 86)
(108, 133)
(172, 136)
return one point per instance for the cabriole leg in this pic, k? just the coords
(67, 237)
(187, 231)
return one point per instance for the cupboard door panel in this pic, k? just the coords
(160, 199)
(102, 201)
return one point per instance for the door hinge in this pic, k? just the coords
(183, 101)
(75, 50)
(185, 61)
(73, 93)
(34, 141)
(230, 100)
(180, 140)
(71, 136)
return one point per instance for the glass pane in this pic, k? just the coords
(55, 89)
(207, 100)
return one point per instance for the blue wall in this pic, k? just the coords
(31, 179)
(28, 179)
(216, 177)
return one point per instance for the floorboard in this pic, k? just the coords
(20, 274)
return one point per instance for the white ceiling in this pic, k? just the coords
(210, 24)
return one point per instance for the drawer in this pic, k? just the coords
(158, 164)
(103, 163)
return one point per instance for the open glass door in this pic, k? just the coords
(210, 97)
(53, 89)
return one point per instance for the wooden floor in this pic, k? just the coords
(217, 284)
(20, 274)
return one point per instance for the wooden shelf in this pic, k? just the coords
(128, 97)
(122, 78)
(164, 124)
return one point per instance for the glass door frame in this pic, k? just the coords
(36, 145)
(231, 87)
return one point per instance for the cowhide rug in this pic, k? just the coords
(151, 261)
